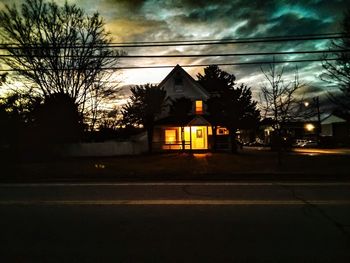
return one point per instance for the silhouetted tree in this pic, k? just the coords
(179, 109)
(235, 109)
(57, 120)
(20, 105)
(59, 49)
(146, 104)
(109, 119)
(338, 72)
(215, 79)
(229, 106)
(16, 119)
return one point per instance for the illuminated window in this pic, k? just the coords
(222, 131)
(199, 107)
(199, 133)
(170, 136)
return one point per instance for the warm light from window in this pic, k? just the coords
(199, 107)
(309, 127)
(170, 136)
(222, 131)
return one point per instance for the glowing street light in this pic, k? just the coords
(309, 127)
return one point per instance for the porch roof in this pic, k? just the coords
(190, 120)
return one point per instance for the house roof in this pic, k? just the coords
(332, 119)
(199, 121)
(194, 83)
(190, 120)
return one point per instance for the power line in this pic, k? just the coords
(238, 41)
(227, 39)
(190, 65)
(192, 55)
(228, 64)
(336, 34)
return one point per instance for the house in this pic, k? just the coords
(335, 130)
(194, 132)
(291, 131)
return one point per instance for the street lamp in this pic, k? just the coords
(310, 127)
(316, 103)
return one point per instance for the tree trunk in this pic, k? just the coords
(150, 139)
(214, 138)
(233, 141)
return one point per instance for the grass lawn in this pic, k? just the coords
(181, 166)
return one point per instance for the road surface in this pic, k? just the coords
(175, 222)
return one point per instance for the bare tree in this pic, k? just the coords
(59, 49)
(278, 96)
(279, 103)
(337, 72)
(109, 119)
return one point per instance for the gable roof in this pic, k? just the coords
(198, 121)
(332, 119)
(194, 83)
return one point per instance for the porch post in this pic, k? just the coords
(207, 139)
(183, 138)
(190, 137)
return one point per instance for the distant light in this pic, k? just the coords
(99, 166)
(306, 103)
(309, 127)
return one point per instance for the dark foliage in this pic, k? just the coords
(16, 116)
(31, 127)
(229, 106)
(146, 104)
(215, 80)
(58, 120)
(180, 108)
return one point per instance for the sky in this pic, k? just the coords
(172, 20)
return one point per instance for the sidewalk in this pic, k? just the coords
(249, 164)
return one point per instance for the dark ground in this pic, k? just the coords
(248, 164)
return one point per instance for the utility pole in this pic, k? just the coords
(317, 104)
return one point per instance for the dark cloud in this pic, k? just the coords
(163, 20)
(291, 24)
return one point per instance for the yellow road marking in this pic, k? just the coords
(171, 202)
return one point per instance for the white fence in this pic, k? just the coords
(137, 145)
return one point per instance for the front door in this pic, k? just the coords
(199, 137)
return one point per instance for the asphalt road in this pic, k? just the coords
(175, 222)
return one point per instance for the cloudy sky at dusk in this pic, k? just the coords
(164, 20)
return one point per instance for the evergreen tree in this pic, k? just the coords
(229, 105)
(146, 104)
